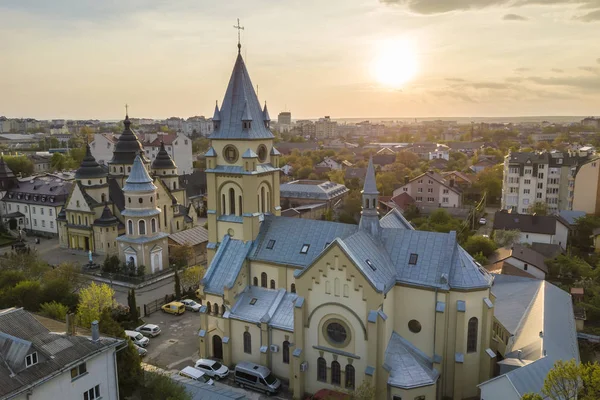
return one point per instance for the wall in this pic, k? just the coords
(585, 197)
(237, 342)
(429, 392)
(34, 220)
(498, 389)
(539, 274)
(535, 237)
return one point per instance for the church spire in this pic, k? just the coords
(369, 219)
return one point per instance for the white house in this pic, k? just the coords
(431, 189)
(37, 364)
(329, 162)
(534, 228)
(520, 261)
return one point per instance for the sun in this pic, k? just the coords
(395, 63)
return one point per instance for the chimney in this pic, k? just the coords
(519, 352)
(406, 179)
(451, 182)
(95, 331)
(70, 324)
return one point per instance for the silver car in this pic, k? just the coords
(149, 330)
(191, 305)
(212, 368)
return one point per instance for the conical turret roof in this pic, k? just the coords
(89, 167)
(128, 146)
(163, 160)
(217, 114)
(138, 180)
(266, 116)
(370, 186)
(107, 218)
(240, 104)
(5, 171)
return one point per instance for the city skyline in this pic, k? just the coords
(378, 59)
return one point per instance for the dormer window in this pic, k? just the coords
(246, 124)
(271, 244)
(413, 259)
(370, 264)
(305, 248)
(215, 125)
(31, 359)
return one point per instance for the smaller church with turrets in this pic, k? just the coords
(127, 208)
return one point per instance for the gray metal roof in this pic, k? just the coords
(234, 169)
(395, 219)
(226, 265)
(193, 236)
(240, 104)
(370, 186)
(408, 366)
(273, 306)
(543, 224)
(312, 189)
(21, 334)
(527, 307)
(42, 190)
(571, 216)
(139, 180)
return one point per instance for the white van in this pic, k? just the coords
(254, 376)
(137, 338)
(196, 374)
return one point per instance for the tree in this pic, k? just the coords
(111, 264)
(159, 387)
(365, 391)
(93, 300)
(480, 258)
(131, 302)
(177, 286)
(70, 273)
(191, 276)
(480, 244)
(25, 294)
(336, 176)
(385, 183)
(180, 254)
(564, 266)
(19, 165)
(507, 238)
(583, 233)
(490, 181)
(538, 208)
(54, 310)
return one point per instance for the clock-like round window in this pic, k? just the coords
(414, 326)
(262, 153)
(336, 332)
(230, 154)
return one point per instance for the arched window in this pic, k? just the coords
(165, 214)
(285, 351)
(336, 287)
(241, 205)
(216, 309)
(293, 288)
(272, 283)
(120, 169)
(103, 197)
(208, 309)
(231, 201)
(263, 279)
(247, 343)
(174, 185)
(223, 208)
(336, 373)
(374, 204)
(222, 309)
(128, 169)
(349, 376)
(73, 219)
(472, 335)
(153, 225)
(255, 281)
(177, 225)
(262, 199)
(321, 369)
(79, 219)
(142, 227)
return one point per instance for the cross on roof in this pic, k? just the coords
(126, 109)
(239, 28)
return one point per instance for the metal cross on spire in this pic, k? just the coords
(239, 28)
(126, 110)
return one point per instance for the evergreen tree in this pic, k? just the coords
(177, 286)
(131, 302)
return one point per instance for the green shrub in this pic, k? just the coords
(54, 310)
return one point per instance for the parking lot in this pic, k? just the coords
(177, 347)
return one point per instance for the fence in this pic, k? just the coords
(156, 304)
(128, 278)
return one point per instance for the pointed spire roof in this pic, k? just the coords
(266, 116)
(240, 104)
(107, 218)
(89, 167)
(5, 171)
(370, 186)
(128, 146)
(138, 180)
(217, 114)
(163, 160)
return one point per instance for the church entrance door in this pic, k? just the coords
(217, 347)
(87, 243)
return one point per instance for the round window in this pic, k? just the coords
(336, 332)
(230, 154)
(414, 326)
(262, 153)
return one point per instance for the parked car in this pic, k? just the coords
(173, 307)
(137, 338)
(482, 221)
(141, 351)
(149, 330)
(196, 374)
(212, 368)
(258, 377)
(191, 305)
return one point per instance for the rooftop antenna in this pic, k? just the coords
(239, 28)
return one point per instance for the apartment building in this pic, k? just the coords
(541, 177)
(325, 128)
(584, 187)
(432, 189)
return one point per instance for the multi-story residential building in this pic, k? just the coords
(325, 128)
(34, 204)
(198, 126)
(177, 145)
(431, 189)
(584, 185)
(39, 364)
(284, 118)
(540, 177)
(591, 122)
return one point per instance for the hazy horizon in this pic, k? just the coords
(83, 59)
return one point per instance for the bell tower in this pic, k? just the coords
(242, 164)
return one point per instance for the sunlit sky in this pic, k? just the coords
(344, 58)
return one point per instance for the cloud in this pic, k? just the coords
(593, 16)
(522, 69)
(584, 83)
(558, 70)
(598, 60)
(455, 80)
(428, 7)
(514, 17)
(593, 70)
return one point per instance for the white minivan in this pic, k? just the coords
(137, 338)
(256, 377)
(196, 374)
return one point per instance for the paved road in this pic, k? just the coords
(489, 216)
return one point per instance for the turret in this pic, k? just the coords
(164, 168)
(266, 117)
(93, 177)
(369, 219)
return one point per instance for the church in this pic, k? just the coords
(327, 305)
(127, 208)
